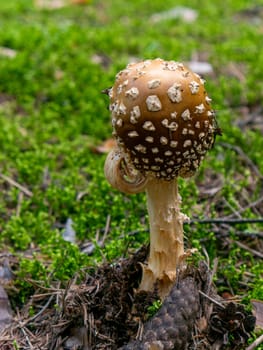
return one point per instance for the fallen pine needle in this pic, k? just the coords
(257, 342)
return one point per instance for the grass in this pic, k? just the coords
(53, 115)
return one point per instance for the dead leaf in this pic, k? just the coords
(106, 146)
(227, 296)
(258, 312)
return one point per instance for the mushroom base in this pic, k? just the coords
(166, 236)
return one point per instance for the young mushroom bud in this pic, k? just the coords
(164, 125)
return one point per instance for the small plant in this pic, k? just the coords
(152, 309)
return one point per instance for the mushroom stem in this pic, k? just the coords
(166, 235)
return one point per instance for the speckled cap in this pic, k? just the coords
(162, 117)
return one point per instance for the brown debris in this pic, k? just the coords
(230, 324)
(100, 309)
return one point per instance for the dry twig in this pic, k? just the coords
(211, 299)
(243, 155)
(41, 311)
(249, 206)
(244, 246)
(226, 220)
(17, 185)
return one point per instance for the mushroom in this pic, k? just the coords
(164, 125)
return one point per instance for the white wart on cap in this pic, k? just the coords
(162, 117)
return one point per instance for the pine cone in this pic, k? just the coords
(172, 326)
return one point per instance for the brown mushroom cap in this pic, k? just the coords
(161, 116)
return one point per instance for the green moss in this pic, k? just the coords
(53, 115)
